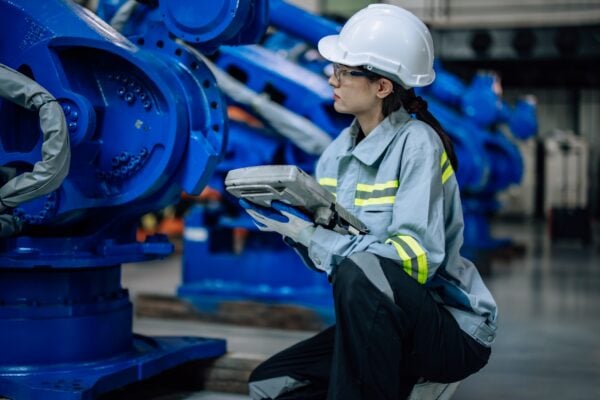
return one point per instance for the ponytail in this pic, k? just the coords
(416, 105)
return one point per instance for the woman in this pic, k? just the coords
(408, 306)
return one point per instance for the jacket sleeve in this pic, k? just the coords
(416, 235)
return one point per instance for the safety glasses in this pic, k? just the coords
(340, 72)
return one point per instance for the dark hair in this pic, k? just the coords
(415, 105)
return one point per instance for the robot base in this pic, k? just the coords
(149, 357)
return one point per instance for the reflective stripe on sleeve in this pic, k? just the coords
(414, 259)
(446, 167)
(329, 184)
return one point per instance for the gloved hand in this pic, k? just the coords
(283, 219)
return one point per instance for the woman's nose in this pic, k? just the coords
(333, 81)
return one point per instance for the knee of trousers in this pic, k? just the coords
(358, 276)
(347, 274)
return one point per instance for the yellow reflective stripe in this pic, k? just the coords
(421, 256)
(414, 259)
(444, 158)
(447, 174)
(378, 193)
(374, 201)
(446, 167)
(328, 182)
(406, 260)
(362, 187)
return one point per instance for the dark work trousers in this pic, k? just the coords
(378, 348)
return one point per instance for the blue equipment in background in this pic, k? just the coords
(472, 115)
(144, 124)
(225, 256)
(247, 263)
(203, 25)
(238, 263)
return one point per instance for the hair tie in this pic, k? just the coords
(416, 105)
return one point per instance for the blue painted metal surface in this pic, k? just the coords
(299, 23)
(222, 274)
(481, 101)
(523, 119)
(107, 87)
(145, 358)
(210, 275)
(203, 24)
(146, 122)
(476, 110)
(296, 88)
(292, 41)
(226, 258)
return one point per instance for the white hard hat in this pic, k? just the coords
(385, 39)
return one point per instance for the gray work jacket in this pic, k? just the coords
(399, 182)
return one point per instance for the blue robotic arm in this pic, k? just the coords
(143, 127)
(145, 121)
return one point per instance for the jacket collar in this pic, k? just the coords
(373, 146)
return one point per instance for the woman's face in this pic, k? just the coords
(353, 92)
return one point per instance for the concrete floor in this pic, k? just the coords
(548, 345)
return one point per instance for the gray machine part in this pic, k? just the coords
(298, 129)
(48, 173)
(123, 14)
(290, 185)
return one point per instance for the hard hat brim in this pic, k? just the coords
(329, 48)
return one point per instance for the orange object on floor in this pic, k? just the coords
(171, 226)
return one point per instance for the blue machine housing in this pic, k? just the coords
(145, 125)
(204, 25)
(226, 257)
(212, 269)
(305, 92)
(263, 270)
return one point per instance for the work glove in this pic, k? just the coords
(283, 219)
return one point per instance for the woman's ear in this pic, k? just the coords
(385, 88)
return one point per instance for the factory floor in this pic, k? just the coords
(548, 344)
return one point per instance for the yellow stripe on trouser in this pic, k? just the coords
(418, 271)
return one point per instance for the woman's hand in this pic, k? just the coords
(283, 219)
